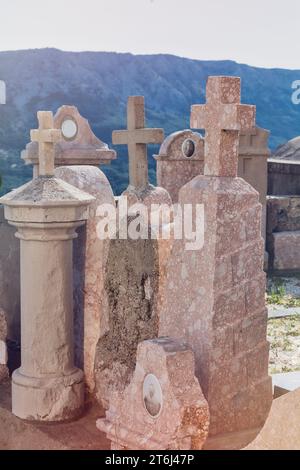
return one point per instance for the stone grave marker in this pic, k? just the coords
(215, 296)
(77, 144)
(163, 407)
(47, 211)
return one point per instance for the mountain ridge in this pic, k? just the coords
(98, 83)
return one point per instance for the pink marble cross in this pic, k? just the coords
(222, 117)
(46, 136)
(136, 137)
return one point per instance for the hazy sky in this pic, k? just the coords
(257, 32)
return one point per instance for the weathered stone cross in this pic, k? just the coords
(136, 137)
(46, 136)
(222, 117)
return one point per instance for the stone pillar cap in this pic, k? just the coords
(44, 200)
(78, 144)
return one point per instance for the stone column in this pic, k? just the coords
(46, 212)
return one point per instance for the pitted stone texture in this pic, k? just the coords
(215, 299)
(3, 347)
(174, 169)
(180, 159)
(90, 258)
(131, 283)
(222, 117)
(182, 421)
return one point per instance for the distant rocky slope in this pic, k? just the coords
(98, 83)
(289, 150)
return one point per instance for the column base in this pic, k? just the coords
(48, 399)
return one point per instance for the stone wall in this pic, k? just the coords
(283, 233)
(283, 177)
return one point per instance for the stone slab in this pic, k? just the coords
(286, 251)
(280, 312)
(282, 428)
(285, 383)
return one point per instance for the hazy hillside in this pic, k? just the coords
(99, 83)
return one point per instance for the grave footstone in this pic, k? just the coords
(163, 407)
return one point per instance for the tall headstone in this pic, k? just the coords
(134, 266)
(215, 297)
(90, 266)
(47, 211)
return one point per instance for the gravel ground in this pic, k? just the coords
(284, 333)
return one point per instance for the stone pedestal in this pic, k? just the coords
(47, 386)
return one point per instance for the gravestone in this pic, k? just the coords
(253, 165)
(134, 266)
(90, 259)
(163, 407)
(180, 159)
(47, 211)
(78, 144)
(215, 297)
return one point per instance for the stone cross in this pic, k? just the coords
(46, 136)
(136, 137)
(222, 117)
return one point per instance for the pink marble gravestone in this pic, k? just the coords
(180, 159)
(215, 297)
(163, 406)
